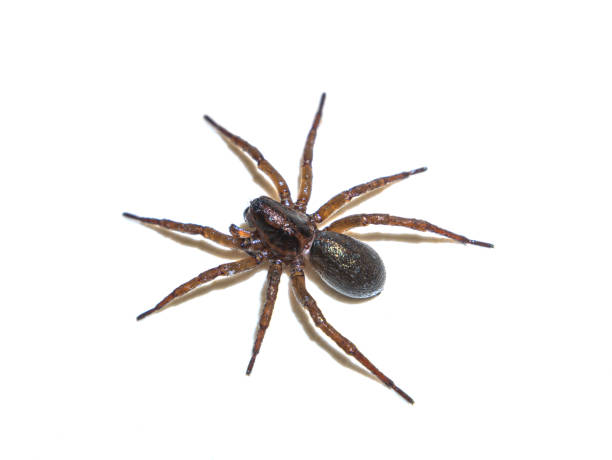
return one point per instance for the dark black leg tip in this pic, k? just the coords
(417, 171)
(482, 244)
(143, 315)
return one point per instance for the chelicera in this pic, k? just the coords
(283, 235)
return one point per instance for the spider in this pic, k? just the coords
(283, 235)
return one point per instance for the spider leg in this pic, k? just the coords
(302, 295)
(274, 274)
(227, 269)
(306, 169)
(360, 220)
(193, 229)
(344, 197)
(262, 163)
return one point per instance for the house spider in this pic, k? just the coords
(282, 234)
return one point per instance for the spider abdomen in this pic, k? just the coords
(347, 265)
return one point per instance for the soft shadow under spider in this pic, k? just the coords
(399, 238)
(282, 233)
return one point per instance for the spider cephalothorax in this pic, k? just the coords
(286, 231)
(284, 235)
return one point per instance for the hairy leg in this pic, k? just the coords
(344, 197)
(305, 186)
(227, 269)
(274, 274)
(193, 229)
(361, 220)
(302, 295)
(262, 163)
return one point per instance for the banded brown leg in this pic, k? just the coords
(193, 229)
(302, 295)
(263, 164)
(361, 220)
(344, 197)
(274, 275)
(227, 269)
(305, 186)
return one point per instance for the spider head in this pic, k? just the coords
(287, 232)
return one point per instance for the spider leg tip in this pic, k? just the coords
(131, 216)
(482, 244)
(143, 315)
(414, 171)
(250, 366)
(404, 395)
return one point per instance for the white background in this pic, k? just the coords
(507, 351)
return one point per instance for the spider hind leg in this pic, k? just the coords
(302, 295)
(361, 220)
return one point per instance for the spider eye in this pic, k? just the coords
(244, 214)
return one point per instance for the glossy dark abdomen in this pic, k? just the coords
(349, 266)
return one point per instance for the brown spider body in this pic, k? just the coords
(283, 234)
(347, 265)
(286, 231)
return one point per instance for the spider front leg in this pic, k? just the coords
(344, 197)
(193, 229)
(262, 163)
(305, 187)
(274, 274)
(361, 220)
(302, 295)
(227, 269)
